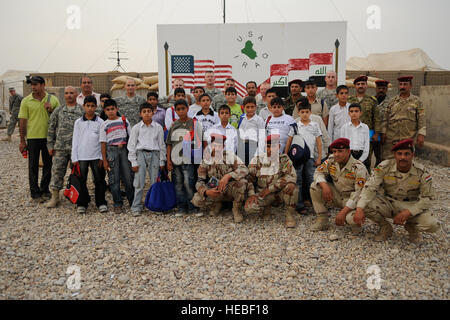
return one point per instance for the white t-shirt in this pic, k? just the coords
(279, 125)
(208, 120)
(309, 133)
(229, 131)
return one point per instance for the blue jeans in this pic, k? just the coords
(307, 168)
(183, 178)
(147, 161)
(120, 170)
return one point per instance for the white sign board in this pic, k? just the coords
(260, 52)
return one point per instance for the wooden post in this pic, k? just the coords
(166, 49)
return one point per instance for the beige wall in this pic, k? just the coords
(436, 100)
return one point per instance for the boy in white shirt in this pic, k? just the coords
(250, 130)
(264, 113)
(279, 122)
(224, 128)
(338, 113)
(311, 133)
(196, 107)
(358, 134)
(206, 116)
(146, 151)
(86, 152)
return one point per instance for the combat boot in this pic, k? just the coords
(290, 220)
(8, 138)
(321, 223)
(385, 230)
(54, 201)
(266, 213)
(237, 215)
(414, 235)
(215, 209)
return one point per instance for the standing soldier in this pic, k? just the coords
(329, 92)
(404, 118)
(408, 192)
(295, 88)
(59, 141)
(275, 179)
(219, 99)
(221, 177)
(14, 107)
(210, 88)
(383, 101)
(130, 103)
(348, 175)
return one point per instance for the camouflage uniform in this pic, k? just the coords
(404, 119)
(329, 96)
(377, 146)
(220, 100)
(347, 185)
(412, 190)
(14, 107)
(212, 92)
(60, 130)
(289, 104)
(274, 176)
(235, 189)
(130, 108)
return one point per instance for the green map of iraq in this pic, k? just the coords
(248, 50)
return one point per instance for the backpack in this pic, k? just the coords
(299, 151)
(240, 119)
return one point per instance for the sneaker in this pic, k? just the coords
(301, 211)
(118, 210)
(81, 210)
(135, 213)
(179, 214)
(103, 208)
(199, 214)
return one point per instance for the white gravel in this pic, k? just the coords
(164, 257)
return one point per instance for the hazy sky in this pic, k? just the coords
(35, 36)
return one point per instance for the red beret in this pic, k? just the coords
(359, 79)
(382, 83)
(273, 137)
(218, 136)
(405, 78)
(341, 143)
(297, 81)
(404, 144)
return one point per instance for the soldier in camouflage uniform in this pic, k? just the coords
(209, 87)
(229, 171)
(329, 92)
(219, 100)
(369, 115)
(348, 178)
(383, 101)
(129, 104)
(406, 197)
(275, 179)
(14, 107)
(59, 141)
(404, 118)
(295, 88)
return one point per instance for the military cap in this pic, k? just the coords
(180, 101)
(404, 144)
(310, 81)
(37, 79)
(218, 136)
(11, 89)
(405, 78)
(297, 81)
(341, 143)
(382, 83)
(359, 79)
(272, 137)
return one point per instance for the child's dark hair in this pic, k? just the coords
(179, 90)
(225, 107)
(231, 89)
(199, 87)
(110, 102)
(271, 90)
(105, 95)
(355, 105)
(145, 105)
(90, 99)
(180, 101)
(277, 100)
(204, 95)
(303, 104)
(341, 87)
(152, 94)
(249, 99)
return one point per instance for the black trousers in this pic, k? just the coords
(377, 149)
(36, 147)
(99, 181)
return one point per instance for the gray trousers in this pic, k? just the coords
(148, 161)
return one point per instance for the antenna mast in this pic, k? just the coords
(118, 58)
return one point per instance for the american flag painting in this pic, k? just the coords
(193, 72)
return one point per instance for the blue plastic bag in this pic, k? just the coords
(161, 196)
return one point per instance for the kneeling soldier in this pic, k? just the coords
(348, 175)
(221, 177)
(407, 195)
(275, 179)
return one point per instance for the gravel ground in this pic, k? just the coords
(165, 257)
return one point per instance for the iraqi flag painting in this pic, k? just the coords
(319, 65)
(298, 69)
(279, 78)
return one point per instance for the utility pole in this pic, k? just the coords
(118, 52)
(223, 11)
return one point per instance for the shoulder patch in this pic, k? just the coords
(428, 178)
(360, 182)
